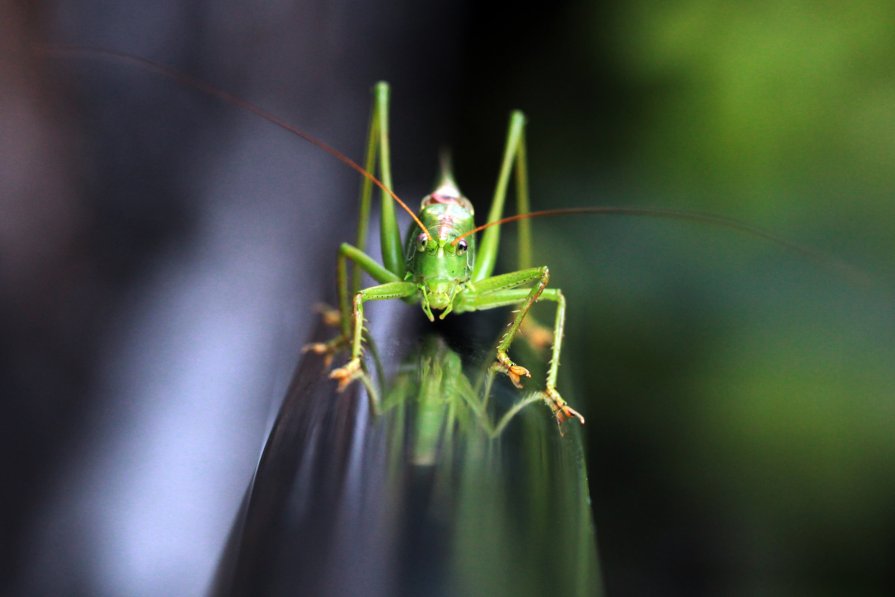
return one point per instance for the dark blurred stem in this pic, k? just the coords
(422, 499)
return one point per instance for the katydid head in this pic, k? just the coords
(439, 265)
(440, 269)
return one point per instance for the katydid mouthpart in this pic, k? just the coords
(441, 265)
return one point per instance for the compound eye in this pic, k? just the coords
(421, 241)
(462, 246)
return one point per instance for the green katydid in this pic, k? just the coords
(442, 268)
(440, 265)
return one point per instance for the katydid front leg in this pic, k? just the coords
(390, 290)
(362, 262)
(352, 329)
(502, 291)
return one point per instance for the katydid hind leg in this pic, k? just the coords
(515, 159)
(390, 235)
(486, 257)
(538, 336)
(377, 149)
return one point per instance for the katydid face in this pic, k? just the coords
(438, 267)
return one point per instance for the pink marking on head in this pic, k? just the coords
(444, 199)
(445, 223)
(440, 199)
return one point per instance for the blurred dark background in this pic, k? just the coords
(160, 254)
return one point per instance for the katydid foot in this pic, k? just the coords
(331, 316)
(513, 371)
(561, 409)
(347, 374)
(328, 349)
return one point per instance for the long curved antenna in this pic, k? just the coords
(229, 98)
(691, 216)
